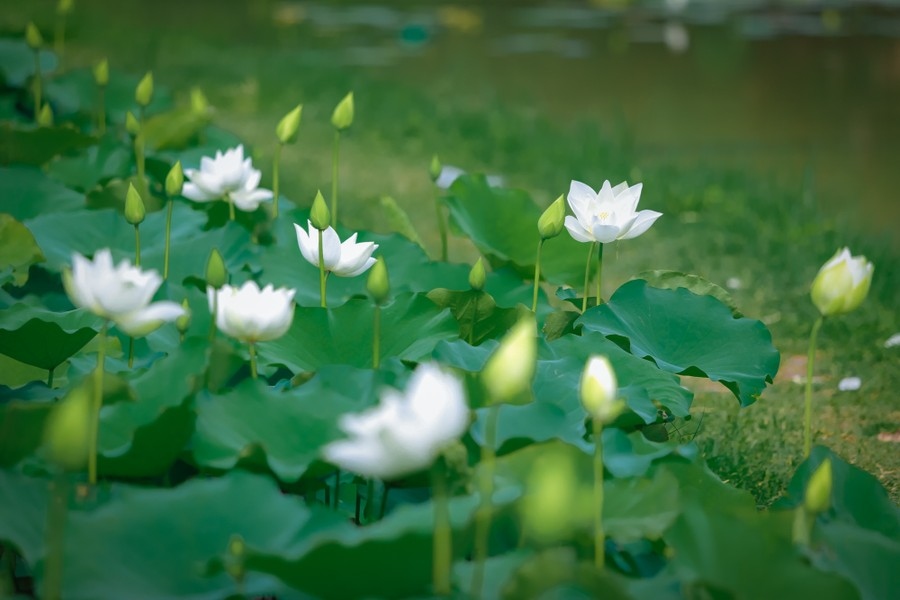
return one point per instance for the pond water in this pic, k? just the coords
(807, 92)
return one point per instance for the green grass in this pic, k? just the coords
(769, 233)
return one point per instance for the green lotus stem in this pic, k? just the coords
(537, 275)
(599, 535)
(137, 245)
(599, 271)
(56, 524)
(50, 377)
(37, 85)
(169, 210)
(275, 169)
(443, 539)
(253, 372)
(587, 277)
(334, 177)
(130, 352)
(231, 214)
(486, 493)
(337, 489)
(810, 362)
(101, 110)
(376, 337)
(139, 160)
(442, 225)
(801, 527)
(321, 273)
(96, 405)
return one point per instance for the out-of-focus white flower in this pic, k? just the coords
(600, 390)
(449, 174)
(842, 283)
(849, 384)
(892, 341)
(734, 283)
(676, 37)
(407, 431)
(346, 259)
(607, 215)
(250, 314)
(227, 176)
(120, 293)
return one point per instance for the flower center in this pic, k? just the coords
(603, 215)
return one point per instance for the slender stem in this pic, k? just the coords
(443, 539)
(38, 85)
(169, 210)
(230, 207)
(599, 271)
(101, 110)
(253, 373)
(275, 168)
(140, 163)
(810, 362)
(56, 524)
(471, 337)
(137, 246)
(376, 337)
(321, 272)
(599, 535)
(369, 513)
(97, 404)
(801, 527)
(442, 224)
(130, 352)
(382, 508)
(50, 377)
(486, 493)
(537, 275)
(337, 489)
(587, 276)
(334, 178)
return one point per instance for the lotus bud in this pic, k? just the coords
(184, 321)
(477, 276)
(134, 206)
(45, 117)
(143, 93)
(549, 505)
(342, 117)
(101, 73)
(378, 283)
(435, 169)
(174, 180)
(553, 219)
(288, 126)
(599, 390)
(132, 125)
(510, 369)
(234, 560)
(67, 430)
(216, 274)
(817, 498)
(199, 103)
(842, 283)
(64, 7)
(33, 36)
(319, 214)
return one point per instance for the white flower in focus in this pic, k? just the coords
(347, 259)
(226, 176)
(120, 293)
(250, 314)
(407, 431)
(607, 215)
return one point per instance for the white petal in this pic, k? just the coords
(142, 322)
(193, 192)
(642, 223)
(249, 201)
(355, 258)
(308, 243)
(604, 233)
(577, 231)
(331, 248)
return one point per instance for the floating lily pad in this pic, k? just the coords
(40, 337)
(27, 192)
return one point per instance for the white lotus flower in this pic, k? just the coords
(120, 293)
(600, 390)
(226, 176)
(407, 431)
(347, 259)
(607, 215)
(250, 314)
(842, 283)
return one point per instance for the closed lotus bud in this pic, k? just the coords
(67, 430)
(216, 275)
(134, 206)
(434, 170)
(33, 36)
(45, 117)
(174, 180)
(378, 283)
(817, 498)
(510, 369)
(64, 7)
(549, 506)
(132, 125)
(143, 93)
(288, 126)
(599, 390)
(319, 214)
(184, 321)
(101, 73)
(553, 219)
(199, 103)
(477, 276)
(234, 560)
(842, 283)
(342, 117)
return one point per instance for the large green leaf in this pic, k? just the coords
(18, 250)
(477, 313)
(17, 62)
(689, 334)
(26, 498)
(106, 160)
(27, 192)
(411, 326)
(43, 338)
(30, 145)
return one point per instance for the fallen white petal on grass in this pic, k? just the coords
(849, 384)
